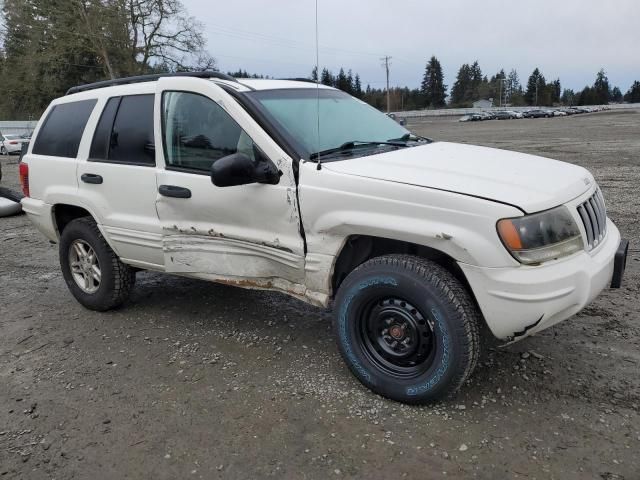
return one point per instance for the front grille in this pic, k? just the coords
(594, 218)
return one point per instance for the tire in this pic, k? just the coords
(421, 307)
(3, 151)
(10, 194)
(116, 280)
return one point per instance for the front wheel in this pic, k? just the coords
(93, 272)
(407, 328)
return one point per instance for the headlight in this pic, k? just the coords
(539, 237)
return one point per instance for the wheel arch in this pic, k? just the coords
(357, 249)
(64, 213)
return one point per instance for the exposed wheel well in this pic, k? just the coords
(360, 248)
(63, 214)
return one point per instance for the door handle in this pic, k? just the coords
(91, 178)
(174, 191)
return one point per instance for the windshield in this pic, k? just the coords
(343, 118)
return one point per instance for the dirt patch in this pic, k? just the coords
(197, 380)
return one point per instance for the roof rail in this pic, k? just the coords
(299, 79)
(147, 78)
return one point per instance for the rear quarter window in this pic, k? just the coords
(62, 130)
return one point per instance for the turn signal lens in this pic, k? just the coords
(509, 234)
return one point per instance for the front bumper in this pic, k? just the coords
(519, 301)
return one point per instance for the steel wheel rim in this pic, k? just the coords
(84, 266)
(396, 337)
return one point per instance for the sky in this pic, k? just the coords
(566, 39)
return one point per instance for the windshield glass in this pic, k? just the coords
(343, 118)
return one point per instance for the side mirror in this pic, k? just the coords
(239, 169)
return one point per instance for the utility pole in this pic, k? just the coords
(537, 80)
(503, 92)
(386, 67)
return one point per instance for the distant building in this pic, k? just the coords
(483, 103)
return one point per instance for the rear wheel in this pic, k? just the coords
(407, 328)
(93, 272)
(3, 151)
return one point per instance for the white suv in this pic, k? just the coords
(303, 189)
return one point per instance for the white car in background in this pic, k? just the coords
(11, 143)
(414, 243)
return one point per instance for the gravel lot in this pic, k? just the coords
(197, 380)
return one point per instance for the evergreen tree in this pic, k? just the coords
(616, 95)
(352, 87)
(514, 89)
(633, 95)
(314, 74)
(68, 43)
(357, 87)
(568, 97)
(433, 87)
(342, 82)
(461, 87)
(556, 90)
(513, 83)
(601, 88)
(495, 88)
(536, 86)
(477, 80)
(326, 78)
(587, 96)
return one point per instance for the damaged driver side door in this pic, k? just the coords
(246, 232)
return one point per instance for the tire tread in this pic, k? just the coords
(123, 275)
(458, 297)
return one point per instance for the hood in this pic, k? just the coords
(529, 182)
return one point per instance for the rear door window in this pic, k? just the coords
(100, 145)
(62, 130)
(125, 132)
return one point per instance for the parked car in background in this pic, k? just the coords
(400, 120)
(472, 117)
(503, 115)
(559, 113)
(537, 113)
(507, 114)
(10, 144)
(488, 115)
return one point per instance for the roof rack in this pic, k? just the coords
(299, 79)
(147, 78)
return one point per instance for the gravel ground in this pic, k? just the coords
(198, 380)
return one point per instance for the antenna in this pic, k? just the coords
(318, 87)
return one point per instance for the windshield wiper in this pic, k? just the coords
(411, 137)
(348, 146)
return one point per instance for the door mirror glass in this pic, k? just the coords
(240, 169)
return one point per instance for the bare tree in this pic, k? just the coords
(137, 36)
(160, 32)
